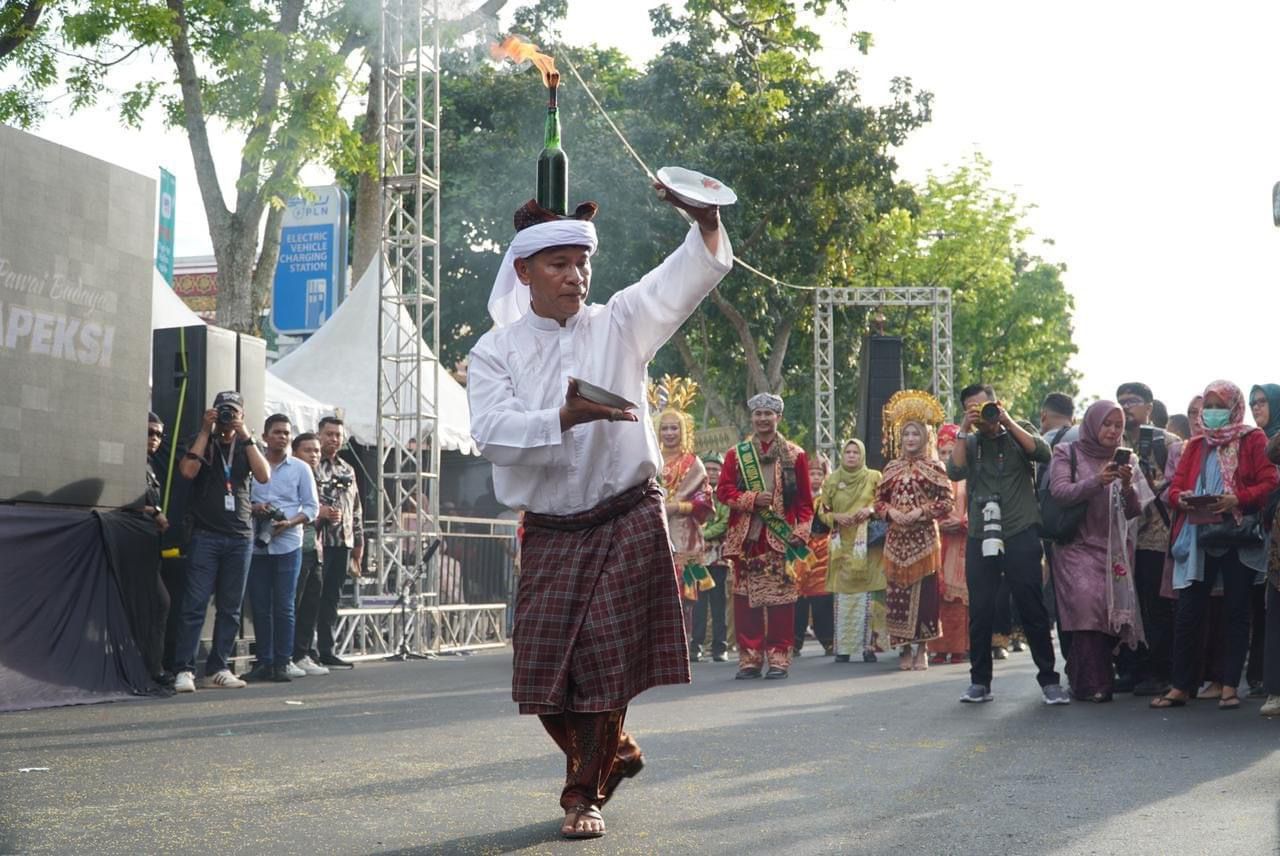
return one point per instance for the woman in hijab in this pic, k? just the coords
(1227, 462)
(1264, 406)
(914, 494)
(855, 572)
(1093, 572)
(954, 614)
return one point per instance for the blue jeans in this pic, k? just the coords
(272, 580)
(217, 566)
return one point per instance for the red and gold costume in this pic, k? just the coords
(913, 482)
(763, 581)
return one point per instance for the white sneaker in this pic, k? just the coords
(293, 670)
(222, 680)
(185, 682)
(309, 666)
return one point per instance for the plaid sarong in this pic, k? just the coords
(598, 618)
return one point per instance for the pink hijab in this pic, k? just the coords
(1091, 426)
(1226, 439)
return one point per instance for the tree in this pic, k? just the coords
(274, 72)
(25, 49)
(1011, 311)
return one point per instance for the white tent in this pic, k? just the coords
(168, 310)
(340, 362)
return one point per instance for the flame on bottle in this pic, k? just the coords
(519, 51)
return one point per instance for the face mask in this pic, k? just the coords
(1215, 417)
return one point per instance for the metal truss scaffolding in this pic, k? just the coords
(824, 382)
(409, 319)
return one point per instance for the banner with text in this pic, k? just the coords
(310, 278)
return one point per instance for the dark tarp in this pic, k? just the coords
(64, 631)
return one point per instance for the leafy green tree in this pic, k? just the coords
(27, 55)
(275, 73)
(1012, 314)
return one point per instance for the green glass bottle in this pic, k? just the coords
(553, 163)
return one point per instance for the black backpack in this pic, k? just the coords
(1059, 523)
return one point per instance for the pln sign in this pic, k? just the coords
(311, 272)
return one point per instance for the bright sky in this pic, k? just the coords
(1144, 132)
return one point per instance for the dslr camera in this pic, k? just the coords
(332, 487)
(227, 414)
(1150, 443)
(262, 531)
(990, 413)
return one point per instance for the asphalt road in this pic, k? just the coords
(431, 758)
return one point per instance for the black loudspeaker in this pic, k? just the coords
(189, 366)
(881, 377)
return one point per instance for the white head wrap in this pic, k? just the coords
(765, 401)
(509, 300)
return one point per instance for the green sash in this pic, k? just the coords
(753, 477)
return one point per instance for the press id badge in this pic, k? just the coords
(229, 502)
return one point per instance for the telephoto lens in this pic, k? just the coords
(992, 529)
(991, 412)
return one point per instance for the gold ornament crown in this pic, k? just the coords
(672, 393)
(909, 405)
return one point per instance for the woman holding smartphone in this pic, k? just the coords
(1223, 476)
(1093, 572)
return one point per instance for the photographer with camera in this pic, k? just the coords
(996, 456)
(219, 462)
(1150, 668)
(339, 526)
(281, 507)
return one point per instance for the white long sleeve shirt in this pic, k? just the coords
(518, 374)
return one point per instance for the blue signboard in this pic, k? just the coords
(164, 229)
(311, 273)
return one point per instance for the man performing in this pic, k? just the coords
(765, 483)
(598, 617)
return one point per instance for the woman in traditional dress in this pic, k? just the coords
(1093, 572)
(689, 502)
(954, 614)
(914, 494)
(855, 572)
(815, 605)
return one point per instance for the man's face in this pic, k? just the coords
(978, 399)
(308, 452)
(1136, 411)
(278, 436)
(155, 433)
(945, 449)
(331, 437)
(713, 473)
(559, 279)
(669, 431)
(764, 423)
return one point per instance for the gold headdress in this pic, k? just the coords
(909, 405)
(674, 395)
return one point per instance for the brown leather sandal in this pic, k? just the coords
(580, 811)
(617, 774)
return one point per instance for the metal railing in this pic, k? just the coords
(462, 603)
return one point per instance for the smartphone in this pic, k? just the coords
(1122, 456)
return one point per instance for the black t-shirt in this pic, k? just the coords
(207, 504)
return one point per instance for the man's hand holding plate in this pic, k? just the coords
(579, 411)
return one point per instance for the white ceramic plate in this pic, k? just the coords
(600, 395)
(695, 188)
